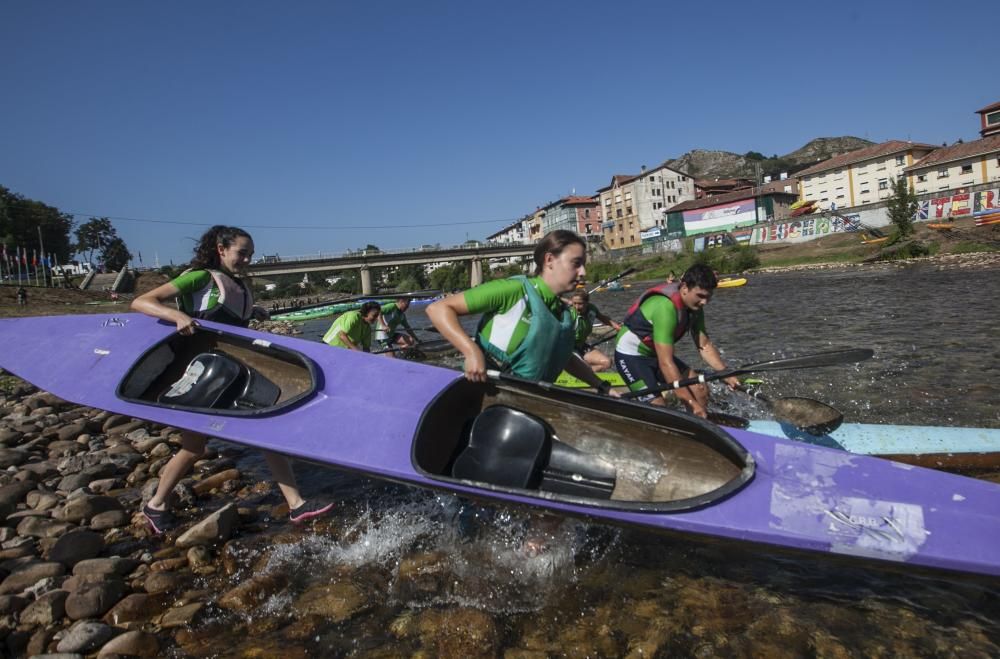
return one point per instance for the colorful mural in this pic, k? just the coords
(805, 229)
(959, 205)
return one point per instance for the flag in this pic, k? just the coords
(34, 258)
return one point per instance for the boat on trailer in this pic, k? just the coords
(511, 441)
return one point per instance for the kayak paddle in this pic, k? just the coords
(606, 337)
(806, 414)
(621, 274)
(831, 358)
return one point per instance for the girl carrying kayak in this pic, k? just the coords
(526, 329)
(212, 289)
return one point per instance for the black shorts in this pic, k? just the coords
(644, 372)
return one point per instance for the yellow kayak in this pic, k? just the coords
(732, 282)
(571, 382)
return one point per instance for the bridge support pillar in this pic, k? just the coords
(475, 272)
(366, 281)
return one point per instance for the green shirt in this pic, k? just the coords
(661, 313)
(198, 291)
(354, 326)
(584, 323)
(394, 316)
(506, 312)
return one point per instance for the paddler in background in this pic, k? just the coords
(212, 289)
(585, 313)
(644, 349)
(353, 329)
(525, 328)
(393, 315)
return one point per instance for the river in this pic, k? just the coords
(601, 591)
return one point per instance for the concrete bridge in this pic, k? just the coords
(364, 261)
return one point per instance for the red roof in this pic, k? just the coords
(989, 108)
(954, 152)
(867, 153)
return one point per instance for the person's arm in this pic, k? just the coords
(608, 321)
(154, 303)
(665, 360)
(444, 315)
(577, 367)
(346, 340)
(710, 354)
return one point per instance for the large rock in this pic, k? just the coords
(13, 494)
(41, 527)
(77, 546)
(214, 481)
(337, 601)
(30, 574)
(82, 508)
(137, 607)
(115, 565)
(181, 616)
(93, 600)
(85, 636)
(214, 529)
(135, 643)
(253, 592)
(12, 457)
(46, 610)
(111, 519)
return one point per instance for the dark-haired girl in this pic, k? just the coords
(212, 289)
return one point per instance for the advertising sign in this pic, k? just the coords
(724, 217)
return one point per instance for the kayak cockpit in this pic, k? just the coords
(559, 444)
(221, 373)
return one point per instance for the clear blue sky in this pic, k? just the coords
(334, 115)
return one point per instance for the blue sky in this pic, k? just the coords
(315, 124)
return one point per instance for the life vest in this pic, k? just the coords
(546, 347)
(641, 327)
(234, 305)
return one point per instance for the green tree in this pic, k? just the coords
(902, 207)
(21, 219)
(115, 254)
(93, 235)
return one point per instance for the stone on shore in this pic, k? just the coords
(85, 636)
(76, 546)
(28, 575)
(135, 643)
(214, 529)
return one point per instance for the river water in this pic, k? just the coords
(601, 591)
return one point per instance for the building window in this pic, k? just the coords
(628, 210)
(942, 173)
(607, 201)
(883, 184)
(993, 118)
(900, 160)
(588, 229)
(618, 199)
(921, 178)
(586, 212)
(966, 169)
(628, 196)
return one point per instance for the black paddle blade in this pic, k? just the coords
(806, 414)
(831, 358)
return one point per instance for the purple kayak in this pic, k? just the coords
(511, 441)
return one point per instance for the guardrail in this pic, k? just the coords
(319, 256)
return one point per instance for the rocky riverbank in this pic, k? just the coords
(944, 261)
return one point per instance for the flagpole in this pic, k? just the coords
(19, 266)
(41, 248)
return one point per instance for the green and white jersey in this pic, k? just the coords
(354, 326)
(394, 317)
(660, 312)
(506, 314)
(214, 295)
(583, 324)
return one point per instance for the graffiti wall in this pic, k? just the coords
(803, 229)
(959, 205)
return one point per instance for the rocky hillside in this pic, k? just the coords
(724, 164)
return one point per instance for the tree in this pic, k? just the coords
(115, 255)
(902, 206)
(93, 235)
(21, 219)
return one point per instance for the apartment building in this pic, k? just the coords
(989, 118)
(578, 214)
(513, 233)
(859, 177)
(958, 166)
(635, 203)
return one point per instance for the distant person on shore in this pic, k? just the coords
(585, 313)
(353, 330)
(392, 316)
(22, 296)
(644, 350)
(212, 289)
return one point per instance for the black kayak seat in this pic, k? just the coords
(511, 448)
(216, 380)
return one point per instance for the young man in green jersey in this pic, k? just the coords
(353, 329)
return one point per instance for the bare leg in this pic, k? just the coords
(281, 469)
(192, 448)
(597, 360)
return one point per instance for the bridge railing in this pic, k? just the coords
(319, 256)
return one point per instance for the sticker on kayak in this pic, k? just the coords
(190, 377)
(805, 500)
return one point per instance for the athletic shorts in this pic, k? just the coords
(644, 372)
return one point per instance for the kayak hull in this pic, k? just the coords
(732, 282)
(786, 494)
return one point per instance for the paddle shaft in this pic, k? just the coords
(621, 274)
(606, 337)
(831, 358)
